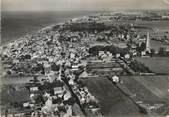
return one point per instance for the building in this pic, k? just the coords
(148, 43)
(33, 89)
(127, 56)
(59, 90)
(165, 17)
(115, 79)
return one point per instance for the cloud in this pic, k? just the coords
(38, 5)
(166, 1)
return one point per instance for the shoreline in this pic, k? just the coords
(46, 27)
(21, 38)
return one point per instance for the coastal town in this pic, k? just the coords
(89, 65)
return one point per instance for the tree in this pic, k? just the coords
(142, 47)
(55, 67)
(27, 56)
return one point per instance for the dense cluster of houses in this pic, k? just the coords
(43, 54)
(34, 54)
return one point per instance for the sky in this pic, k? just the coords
(91, 5)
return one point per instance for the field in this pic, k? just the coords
(161, 25)
(13, 94)
(157, 44)
(13, 91)
(158, 65)
(112, 101)
(157, 25)
(150, 88)
(18, 79)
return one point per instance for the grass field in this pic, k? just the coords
(157, 44)
(152, 90)
(161, 25)
(149, 88)
(158, 65)
(13, 94)
(112, 101)
(18, 79)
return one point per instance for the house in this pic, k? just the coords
(71, 82)
(59, 90)
(165, 17)
(26, 104)
(117, 55)
(143, 53)
(33, 89)
(75, 67)
(127, 56)
(101, 53)
(133, 46)
(67, 95)
(121, 45)
(72, 55)
(47, 68)
(115, 79)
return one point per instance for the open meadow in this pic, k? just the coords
(112, 101)
(159, 65)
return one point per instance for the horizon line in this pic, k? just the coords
(106, 10)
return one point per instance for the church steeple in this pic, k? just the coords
(148, 42)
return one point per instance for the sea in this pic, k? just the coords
(17, 24)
